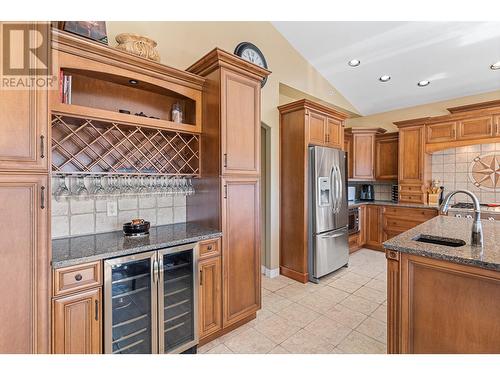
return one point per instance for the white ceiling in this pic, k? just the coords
(454, 56)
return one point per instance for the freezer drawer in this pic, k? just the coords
(330, 252)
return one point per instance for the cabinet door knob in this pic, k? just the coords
(209, 247)
(78, 277)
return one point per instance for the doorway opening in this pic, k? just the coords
(265, 201)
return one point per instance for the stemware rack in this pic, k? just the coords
(89, 146)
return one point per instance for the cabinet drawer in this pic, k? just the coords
(411, 188)
(411, 197)
(209, 248)
(74, 278)
(413, 213)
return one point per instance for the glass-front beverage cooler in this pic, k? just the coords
(151, 302)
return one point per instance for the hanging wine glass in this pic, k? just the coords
(99, 191)
(62, 192)
(81, 191)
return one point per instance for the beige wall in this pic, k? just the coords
(386, 119)
(182, 43)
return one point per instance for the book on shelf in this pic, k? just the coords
(65, 82)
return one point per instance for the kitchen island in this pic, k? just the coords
(443, 299)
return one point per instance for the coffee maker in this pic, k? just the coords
(366, 193)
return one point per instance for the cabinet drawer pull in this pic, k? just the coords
(96, 310)
(225, 191)
(225, 160)
(42, 197)
(209, 247)
(42, 146)
(78, 277)
(201, 277)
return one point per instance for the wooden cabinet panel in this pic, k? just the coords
(373, 229)
(77, 323)
(209, 248)
(386, 158)
(363, 156)
(24, 124)
(444, 132)
(210, 296)
(348, 150)
(458, 317)
(74, 278)
(317, 128)
(479, 127)
(241, 244)
(25, 273)
(496, 123)
(411, 159)
(334, 132)
(240, 124)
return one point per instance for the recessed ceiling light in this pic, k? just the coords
(133, 81)
(423, 83)
(354, 62)
(495, 66)
(384, 78)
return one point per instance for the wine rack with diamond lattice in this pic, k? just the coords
(89, 146)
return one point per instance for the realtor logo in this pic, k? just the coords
(26, 55)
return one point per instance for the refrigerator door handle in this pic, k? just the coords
(340, 191)
(332, 177)
(331, 235)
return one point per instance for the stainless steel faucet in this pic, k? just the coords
(477, 228)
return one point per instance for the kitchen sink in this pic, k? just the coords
(436, 240)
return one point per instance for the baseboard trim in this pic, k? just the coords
(271, 273)
(297, 276)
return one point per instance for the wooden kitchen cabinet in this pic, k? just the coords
(496, 123)
(77, 323)
(373, 229)
(362, 152)
(441, 132)
(386, 156)
(475, 128)
(458, 317)
(348, 150)
(210, 296)
(241, 249)
(240, 123)
(25, 273)
(24, 125)
(302, 123)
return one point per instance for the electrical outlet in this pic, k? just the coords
(112, 208)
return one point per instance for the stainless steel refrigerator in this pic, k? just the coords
(328, 212)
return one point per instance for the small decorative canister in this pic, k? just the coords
(177, 113)
(138, 45)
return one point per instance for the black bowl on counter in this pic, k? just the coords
(136, 228)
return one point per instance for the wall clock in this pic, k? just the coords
(249, 52)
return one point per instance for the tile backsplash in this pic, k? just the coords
(454, 168)
(75, 217)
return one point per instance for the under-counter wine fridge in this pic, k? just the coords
(150, 303)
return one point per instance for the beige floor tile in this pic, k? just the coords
(264, 314)
(345, 285)
(374, 328)
(304, 342)
(275, 302)
(330, 330)
(369, 271)
(337, 351)
(371, 294)
(286, 280)
(318, 303)
(360, 304)
(296, 291)
(346, 316)
(357, 343)
(380, 313)
(250, 342)
(265, 292)
(298, 315)
(273, 284)
(379, 285)
(208, 346)
(220, 349)
(228, 336)
(354, 277)
(279, 350)
(277, 329)
(332, 294)
(339, 272)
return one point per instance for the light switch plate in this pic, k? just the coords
(112, 208)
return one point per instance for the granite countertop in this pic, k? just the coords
(76, 250)
(452, 227)
(353, 204)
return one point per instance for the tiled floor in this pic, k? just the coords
(345, 313)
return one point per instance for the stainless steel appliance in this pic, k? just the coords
(351, 193)
(150, 303)
(328, 218)
(367, 193)
(466, 210)
(353, 224)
